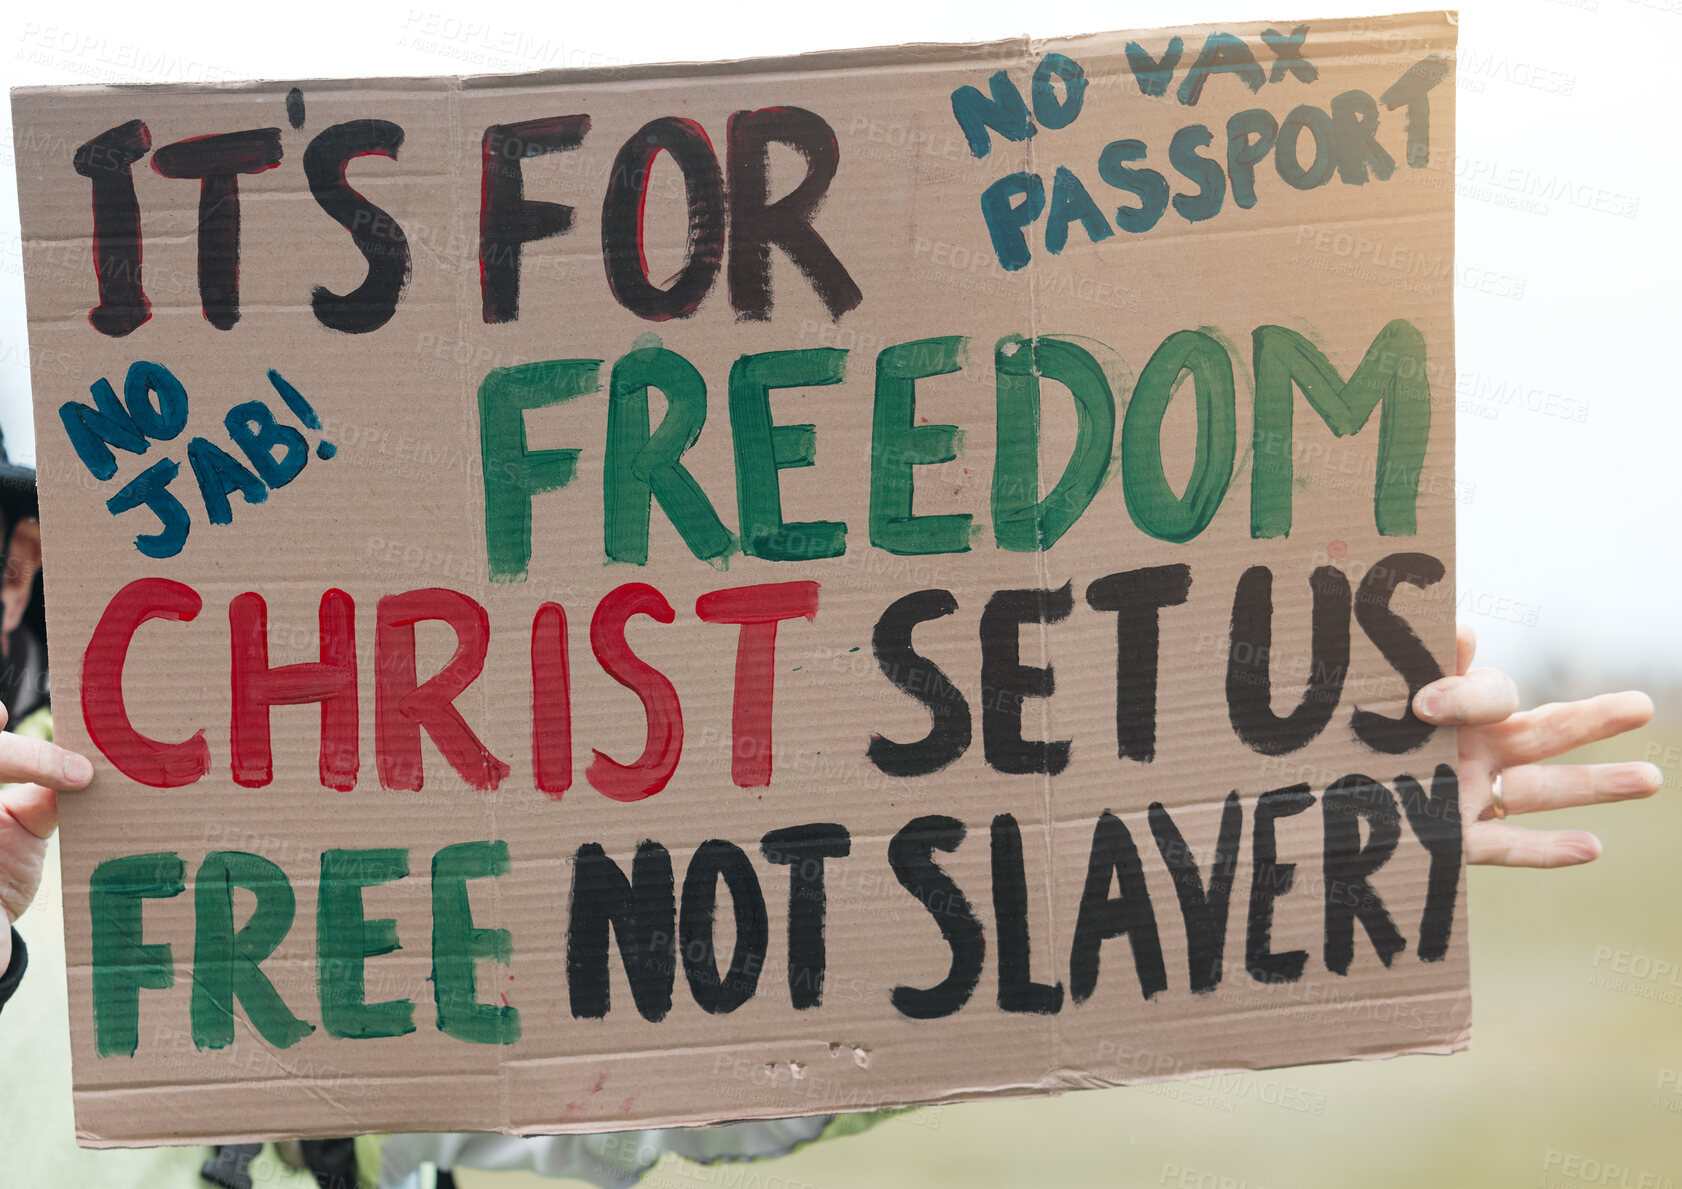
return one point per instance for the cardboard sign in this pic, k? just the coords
(660, 595)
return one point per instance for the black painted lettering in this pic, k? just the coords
(1005, 681)
(1435, 821)
(642, 911)
(1137, 596)
(1249, 678)
(1404, 650)
(719, 995)
(910, 853)
(1269, 880)
(758, 224)
(376, 234)
(216, 162)
(1101, 917)
(1018, 992)
(902, 664)
(803, 849)
(507, 221)
(107, 161)
(1205, 910)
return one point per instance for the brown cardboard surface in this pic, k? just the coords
(1353, 262)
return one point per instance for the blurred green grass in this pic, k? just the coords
(1572, 1078)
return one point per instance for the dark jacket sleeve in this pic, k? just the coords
(14, 971)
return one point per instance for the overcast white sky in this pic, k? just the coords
(1569, 548)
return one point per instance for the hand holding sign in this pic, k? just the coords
(28, 816)
(1496, 743)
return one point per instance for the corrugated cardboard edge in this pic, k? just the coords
(1055, 1082)
(918, 53)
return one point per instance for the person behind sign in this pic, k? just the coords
(28, 811)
